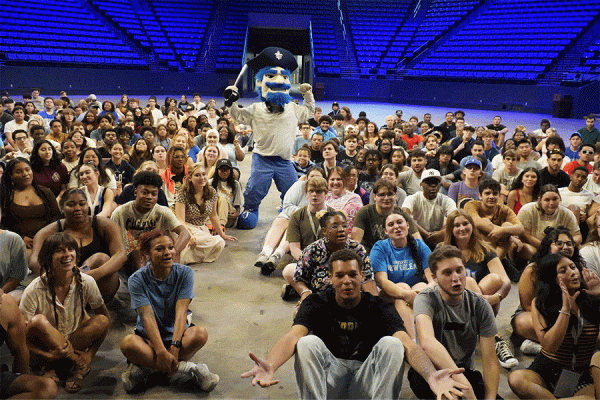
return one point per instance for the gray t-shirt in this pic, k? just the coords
(457, 326)
(13, 262)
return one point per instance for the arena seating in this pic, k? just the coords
(325, 46)
(51, 31)
(508, 40)
(590, 62)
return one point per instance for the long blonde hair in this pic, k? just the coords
(189, 191)
(477, 246)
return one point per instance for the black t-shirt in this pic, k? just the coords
(560, 180)
(349, 334)
(345, 160)
(313, 122)
(496, 128)
(123, 172)
(316, 156)
(445, 130)
(478, 271)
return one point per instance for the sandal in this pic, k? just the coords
(73, 384)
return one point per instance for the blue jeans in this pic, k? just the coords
(262, 171)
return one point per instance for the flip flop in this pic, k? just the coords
(73, 384)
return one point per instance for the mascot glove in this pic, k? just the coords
(304, 88)
(231, 95)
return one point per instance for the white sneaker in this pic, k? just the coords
(133, 377)
(530, 347)
(505, 356)
(261, 261)
(206, 379)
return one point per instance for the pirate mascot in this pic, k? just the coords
(274, 124)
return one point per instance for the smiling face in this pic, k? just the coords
(567, 271)
(529, 179)
(161, 253)
(275, 80)
(88, 175)
(212, 138)
(462, 228)
(418, 164)
(198, 178)
(211, 153)
(336, 184)
(64, 259)
(91, 155)
(22, 175)
(396, 227)
(564, 245)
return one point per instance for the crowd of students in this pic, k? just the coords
(93, 194)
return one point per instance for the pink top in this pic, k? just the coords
(348, 202)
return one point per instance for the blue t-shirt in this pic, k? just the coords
(162, 296)
(397, 262)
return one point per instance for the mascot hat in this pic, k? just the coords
(273, 57)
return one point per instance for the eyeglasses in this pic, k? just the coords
(387, 194)
(560, 244)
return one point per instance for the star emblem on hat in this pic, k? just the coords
(279, 55)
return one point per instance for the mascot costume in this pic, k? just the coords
(274, 124)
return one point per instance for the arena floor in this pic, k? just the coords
(242, 310)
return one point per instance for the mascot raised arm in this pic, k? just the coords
(274, 123)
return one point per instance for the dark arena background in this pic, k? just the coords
(513, 55)
(521, 59)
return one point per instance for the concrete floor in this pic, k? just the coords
(242, 310)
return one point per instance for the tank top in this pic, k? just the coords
(97, 245)
(518, 204)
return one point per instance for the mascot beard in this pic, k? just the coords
(277, 93)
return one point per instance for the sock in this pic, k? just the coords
(279, 252)
(185, 366)
(267, 250)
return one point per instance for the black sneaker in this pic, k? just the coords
(288, 293)
(505, 356)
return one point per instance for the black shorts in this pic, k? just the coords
(6, 380)
(549, 370)
(166, 343)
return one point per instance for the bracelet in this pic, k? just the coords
(176, 343)
(304, 291)
(566, 313)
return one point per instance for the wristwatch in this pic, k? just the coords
(176, 343)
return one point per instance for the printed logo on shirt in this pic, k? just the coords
(56, 177)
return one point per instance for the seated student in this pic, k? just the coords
(122, 170)
(432, 144)
(100, 199)
(311, 270)
(449, 333)
(164, 340)
(553, 143)
(390, 173)
(461, 145)
(48, 171)
(445, 164)
(101, 252)
(574, 147)
(316, 143)
(577, 199)
(303, 229)
(336, 362)
(370, 175)
(556, 240)
(107, 178)
(566, 322)
(496, 223)
(593, 180)
(506, 175)
(525, 189)
(229, 191)
(13, 265)
(429, 208)
(303, 139)
(547, 211)
(325, 128)
(339, 198)
(489, 147)
(487, 276)
(347, 156)
(302, 163)
(478, 154)
(275, 247)
(330, 150)
(18, 384)
(143, 214)
(369, 223)
(352, 173)
(410, 180)
(128, 192)
(400, 266)
(526, 155)
(64, 331)
(25, 207)
(586, 155)
(467, 189)
(552, 173)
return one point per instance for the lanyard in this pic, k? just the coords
(312, 225)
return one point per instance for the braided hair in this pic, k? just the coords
(49, 247)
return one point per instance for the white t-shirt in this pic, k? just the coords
(582, 199)
(12, 126)
(592, 186)
(429, 214)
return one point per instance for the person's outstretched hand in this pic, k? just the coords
(261, 373)
(444, 386)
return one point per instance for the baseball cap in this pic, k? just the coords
(473, 161)
(576, 134)
(431, 174)
(399, 113)
(190, 108)
(223, 162)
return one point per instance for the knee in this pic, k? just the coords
(515, 380)
(198, 335)
(97, 260)
(309, 344)
(128, 345)
(391, 346)
(403, 286)
(288, 273)
(45, 388)
(101, 322)
(493, 282)
(38, 322)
